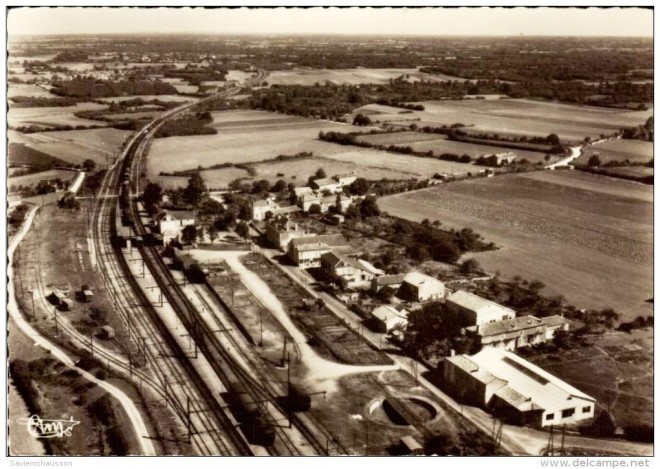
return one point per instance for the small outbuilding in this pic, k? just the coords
(66, 304)
(411, 446)
(107, 332)
(87, 295)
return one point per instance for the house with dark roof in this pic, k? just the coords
(510, 334)
(280, 230)
(390, 281)
(356, 272)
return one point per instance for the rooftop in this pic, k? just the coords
(390, 279)
(329, 239)
(475, 303)
(524, 379)
(518, 324)
(386, 312)
(177, 214)
(418, 279)
(324, 182)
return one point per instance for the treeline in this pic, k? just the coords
(612, 172)
(195, 75)
(34, 101)
(187, 125)
(31, 129)
(393, 103)
(91, 88)
(71, 56)
(641, 132)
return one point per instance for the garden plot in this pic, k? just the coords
(20, 89)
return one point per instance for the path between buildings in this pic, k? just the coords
(145, 444)
(516, 440)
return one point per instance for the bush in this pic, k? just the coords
(639, 432)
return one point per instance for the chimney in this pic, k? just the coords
(452, 353)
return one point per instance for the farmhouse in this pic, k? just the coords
(263, 209)
(388, 317)
(345, 179)
(517, 332)
(356, 272)
(476, 310)
(514, 389)
(500, 159)
(281, 230)
(391, 281)
(419, 287)
(306, 252)
(325, 184)
(170, 223)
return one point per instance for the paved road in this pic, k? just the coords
(134, 415)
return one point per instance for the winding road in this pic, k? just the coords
(135, 417)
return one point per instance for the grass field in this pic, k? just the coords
(33, 179)
(75, 146)
(244, 136)
(19, 89)
(21, 154)
(51, 116)
(440, 144)
(587, 237)
(350, 76)
(527, 117)
(636, 151)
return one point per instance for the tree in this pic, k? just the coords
(314, 209)
(547, 158)
(279, 186)
(89, 165)
(469, 266)
(552, 139)
(243, 230)
(44, 187)
(594, 161)
(369, 207)
(196, 189)
(359, 187)
(320, 174)
(536, 286)
(260, 186)
(212, 231)
(152, 196)
(189, 234)
(562, 339)
(361, 119)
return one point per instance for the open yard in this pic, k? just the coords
(243, 137)
(51, 116)
(439, 144)
(527, 117)
(587, 237)
(350, 76)
(75, 146)
(635, 151)
(617, 370)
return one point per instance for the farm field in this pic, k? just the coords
(628, 171)
(20, 89)
(33, 179)
(527, 117)
(588, 238)
(183, 88)
(440, 144)
(636, 151)
(243, 137)
(51, 116)
(75, 146)
(350, 76)
(413, 166)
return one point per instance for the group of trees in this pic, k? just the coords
(91, 88)
(187, 125)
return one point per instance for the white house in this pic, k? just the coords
(170, 223)
(306, 252)
(389, 317)
(522, 331)
(515, 389)
(476, 310)
(417, 286)
(356, 272)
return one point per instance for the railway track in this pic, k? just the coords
(204, 337)
(210, 429)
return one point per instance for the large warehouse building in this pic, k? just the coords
(515, 390)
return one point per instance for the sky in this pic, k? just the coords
(384, 21)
